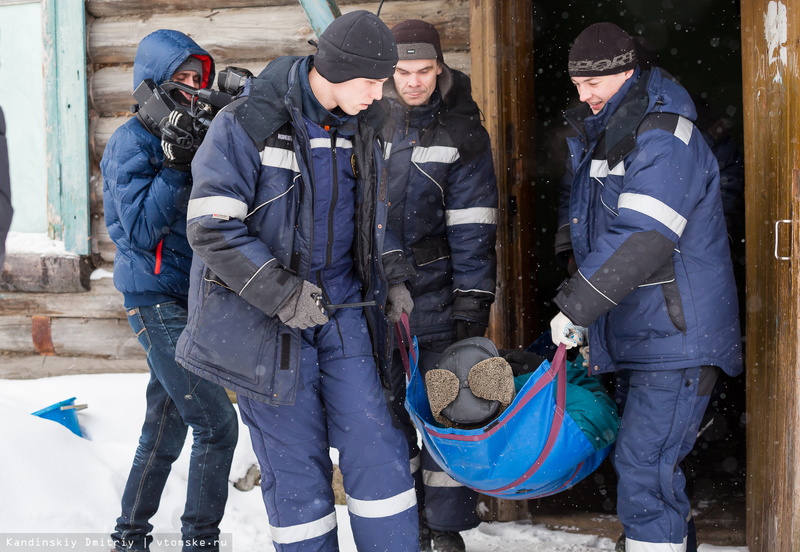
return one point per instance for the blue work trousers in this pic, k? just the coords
(661, 414)
(447, 504)
(176, 400)
(339, 404)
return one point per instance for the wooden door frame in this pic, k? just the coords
(770, 34)
(501, 50)
(502, 68)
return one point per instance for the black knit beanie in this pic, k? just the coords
(356, 45)
(417, 40)
(601, 49)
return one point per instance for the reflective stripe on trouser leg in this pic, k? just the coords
(373, 455)
(662, 411)
(295, 471)
(449, 505)
(395, 397)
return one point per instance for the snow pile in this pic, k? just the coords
(56, 485)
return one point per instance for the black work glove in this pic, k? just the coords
(522, 362)
(177, 140)
(466, 329)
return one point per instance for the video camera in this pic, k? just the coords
(155, 103)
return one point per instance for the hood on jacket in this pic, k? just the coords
(161, 53)
(456, 110)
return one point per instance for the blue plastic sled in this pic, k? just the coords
(533, 449)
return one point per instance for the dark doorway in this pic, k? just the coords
(698, 42)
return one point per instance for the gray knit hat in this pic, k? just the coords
(191, 64)
(356, 45)
(601, 49)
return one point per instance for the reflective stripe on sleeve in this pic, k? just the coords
(435, 154)
(216, 205)
(684, 130)
(591, 285)
(653, 208)
(438, 479)
(459, 290)
(384, 507)
(632, 545)
(280, 158)
(303, 531)
(473, 215)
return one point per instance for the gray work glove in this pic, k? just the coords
(398, 301)
(301, 310)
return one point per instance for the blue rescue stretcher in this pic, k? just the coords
(533, 449)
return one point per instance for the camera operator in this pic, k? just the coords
(146, 186)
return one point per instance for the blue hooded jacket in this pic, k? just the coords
(655, 281)
(145, 203)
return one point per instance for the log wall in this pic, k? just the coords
(80, 331)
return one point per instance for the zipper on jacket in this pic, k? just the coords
(334, 199)
(159, 249)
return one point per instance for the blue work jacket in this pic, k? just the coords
(251, 222)
(655, 282)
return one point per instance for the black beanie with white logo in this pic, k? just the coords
(601, 49)
(356, 45)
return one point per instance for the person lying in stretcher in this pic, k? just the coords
(473, 383)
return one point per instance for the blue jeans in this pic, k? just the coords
(177, 399)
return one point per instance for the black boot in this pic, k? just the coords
(447, 541)
(424, 535)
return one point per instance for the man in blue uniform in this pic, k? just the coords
(654, 282)
(146, 186)
(443, 209)
(288, 215)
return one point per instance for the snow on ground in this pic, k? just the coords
(62, 492)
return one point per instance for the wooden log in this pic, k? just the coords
(109, 8)
(97, 337)
(260, 33)
(16, 366)
(15, 334)
(102, 301)
(106, 337)
(34, 272)
(111, 87)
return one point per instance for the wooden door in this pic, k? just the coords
(770, 35)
